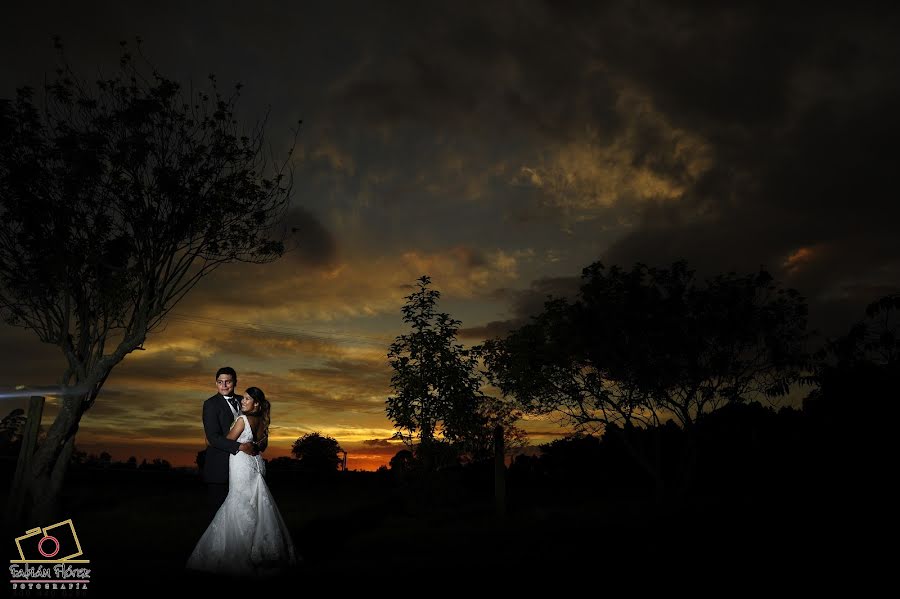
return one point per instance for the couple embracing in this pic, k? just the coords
(247, 535)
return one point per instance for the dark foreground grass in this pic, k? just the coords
(367, 530)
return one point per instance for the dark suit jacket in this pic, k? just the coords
(217, 419)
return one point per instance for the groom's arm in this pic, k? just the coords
(214, 435)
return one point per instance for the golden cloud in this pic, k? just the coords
(649, 160)
(354, 287)
(800, 257)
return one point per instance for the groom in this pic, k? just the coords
(219, 411)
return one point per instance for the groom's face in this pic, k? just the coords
(225, 384)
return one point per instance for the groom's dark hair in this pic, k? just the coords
(227, 370)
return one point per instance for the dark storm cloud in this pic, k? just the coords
(482, 68)
(27, 361)
(798, 108)
(309, 242)
(524, 303)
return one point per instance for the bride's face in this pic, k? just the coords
(248, 404)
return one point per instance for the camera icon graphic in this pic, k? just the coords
(55, 543)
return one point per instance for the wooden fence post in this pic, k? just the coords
(29, 443)
(499, 472)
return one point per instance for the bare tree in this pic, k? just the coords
(116, 198)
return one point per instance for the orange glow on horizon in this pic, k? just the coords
(185, 457)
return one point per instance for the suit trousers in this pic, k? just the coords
(215, 497)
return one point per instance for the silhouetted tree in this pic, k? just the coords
(438, 454)
(156, 464)
(404, 461)
(200, 460)
(575, 459)
(751, 451)
(116, 198)
(866, 356)
(78, 457)
(478, 442)
(855, 374)
(11, 429)
(317, 453)
(104, 459)
(637, 348)
(437, 386)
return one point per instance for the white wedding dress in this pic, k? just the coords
(247, 536)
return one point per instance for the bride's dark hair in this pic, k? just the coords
(262, 411)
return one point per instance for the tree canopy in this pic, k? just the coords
(638, 347)
(437, 387)
(317, 452)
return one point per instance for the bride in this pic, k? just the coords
(247, 536)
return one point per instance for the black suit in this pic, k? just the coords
(217, 419)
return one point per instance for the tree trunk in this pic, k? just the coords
(650, 468)
(49, 466)
(688, 464)
(16, 501)
(426, 454)
(499, 472)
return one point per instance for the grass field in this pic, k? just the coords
(358, 528)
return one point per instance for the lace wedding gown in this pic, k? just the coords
(247, 536)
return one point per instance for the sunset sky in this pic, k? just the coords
(499, 148)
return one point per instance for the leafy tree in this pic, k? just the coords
(478, 442)
(638, 348)
(437, 385)
(317, 453)
(852, 418)
(116, 198)
(200, 460)
(403, 461)
(104, 460)
(13, 424)
(868, 354)
(78, 457)
(11, 430)
(857, 371)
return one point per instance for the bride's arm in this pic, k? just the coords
(236, 429)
